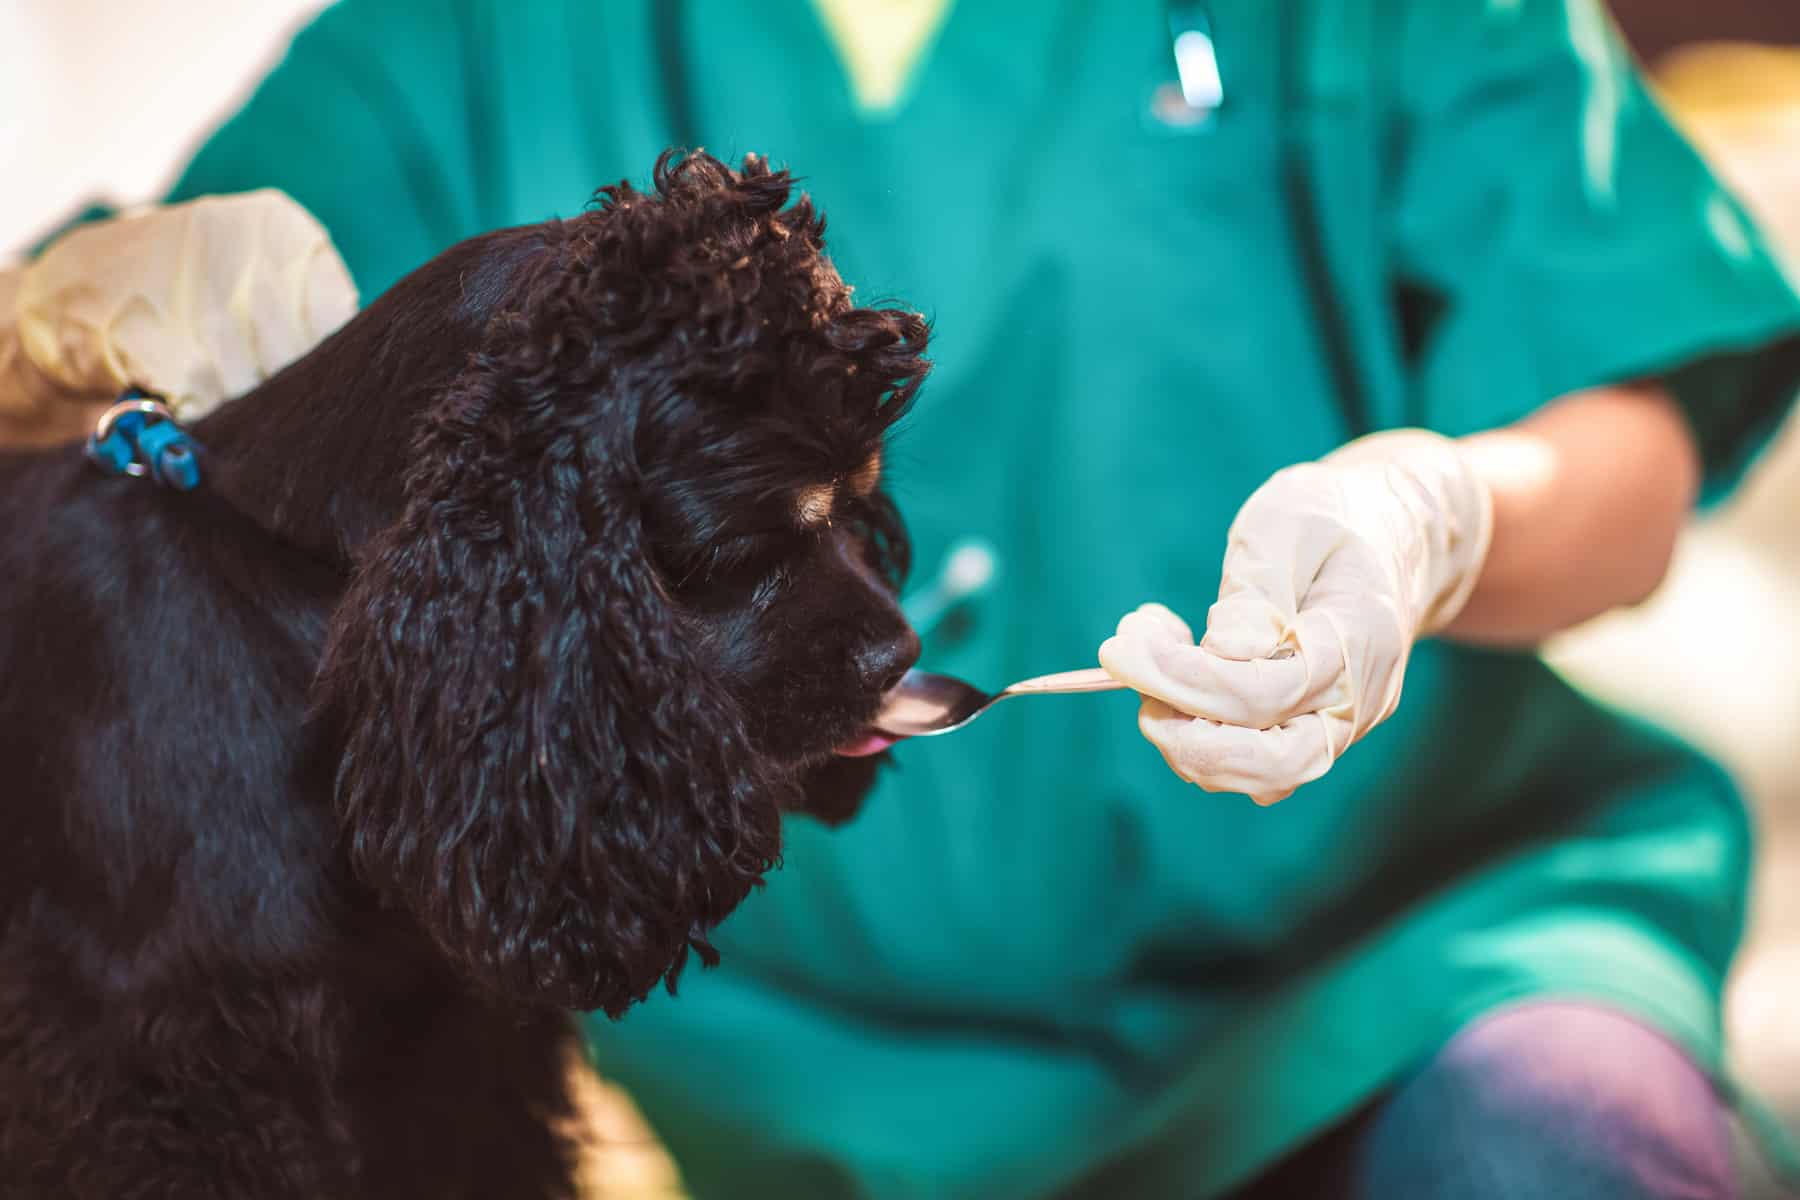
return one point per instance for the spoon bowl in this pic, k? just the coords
(924, 705)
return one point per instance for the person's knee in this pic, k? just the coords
(1551, 1100)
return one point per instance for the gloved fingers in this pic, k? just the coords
(217, 312)
(1273, 558)
(1244, 624)
(198, 301)
(33, 410)
(1259, 693)
(327, 294)
(292, 288)
(1149, 619)
(246, 313)
(305, 270)
(18, 399)
(1265, 764)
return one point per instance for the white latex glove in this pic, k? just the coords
(198, 302)
(1332, 570)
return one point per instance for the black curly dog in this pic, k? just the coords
(467, 690)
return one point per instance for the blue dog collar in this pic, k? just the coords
(140, 437)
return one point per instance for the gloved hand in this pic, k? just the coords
(33, 411)
(1332, 570)
(198, 302)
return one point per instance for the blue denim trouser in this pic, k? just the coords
(1542, 1101)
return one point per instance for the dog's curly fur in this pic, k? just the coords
(466, 691)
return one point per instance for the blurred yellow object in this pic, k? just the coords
(1731, 77)
(1740, 104)
(33, 411)
(621, 1158)
(881, 43)
(198, 302)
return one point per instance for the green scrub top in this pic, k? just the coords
(1038, 963)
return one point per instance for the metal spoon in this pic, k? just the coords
(923, 704)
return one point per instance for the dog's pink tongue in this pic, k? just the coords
(867, 742)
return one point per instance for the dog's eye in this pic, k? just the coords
(743, 548)
(741, 558)
(737, 572)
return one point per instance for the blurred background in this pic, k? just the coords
(105, 98)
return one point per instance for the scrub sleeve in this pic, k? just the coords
(1568, 237)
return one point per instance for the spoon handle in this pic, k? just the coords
(1091, 679)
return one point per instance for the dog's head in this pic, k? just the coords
(640, 588)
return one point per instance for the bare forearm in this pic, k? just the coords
(1590, 494)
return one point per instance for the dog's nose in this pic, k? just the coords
(881, 664)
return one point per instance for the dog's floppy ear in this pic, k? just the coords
(533, 762)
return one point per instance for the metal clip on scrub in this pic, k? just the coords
(140, 437)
